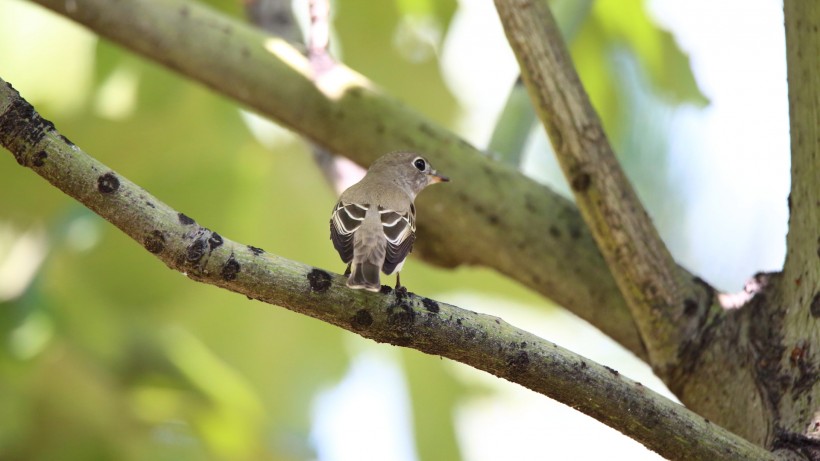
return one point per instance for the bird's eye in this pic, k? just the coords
(420, 164)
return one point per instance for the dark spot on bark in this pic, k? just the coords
(108, 183)
(66, 140)
(196, 250)
(492, 219)
(458, 321)
(21, 127)
(256, 250)
(523, 344)
(401, 294)
(430, 305)
(380, 128)
(612, 370)
(690, 307)
(385, 290)
(215, 241)
(230, 269)
(319, 281)
(814, 308)
(39, 158)
(580, 182)
(651, 418)
(402, 318)
(518, 363)
(185, 220)
(638, 384)
(789, 202)
(575, 232)
(800, 359)
(554, 232)
(154, 242)
(361, 320)
(150, 204)
(801, 444)
(498, 321)
(592, 132)
(470, 334)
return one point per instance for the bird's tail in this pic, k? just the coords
(368, 253)
(364, 275)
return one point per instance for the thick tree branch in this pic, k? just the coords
(492, 216)
(803, 59)
(403, 319)
(663, 298)
(798, 290)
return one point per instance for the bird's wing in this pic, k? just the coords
(346, 218)
(400, 231)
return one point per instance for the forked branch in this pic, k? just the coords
(665, 301)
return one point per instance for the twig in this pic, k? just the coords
(404, 319)
(319, 37)
(513, 128)
(276, 17)
(666, 303)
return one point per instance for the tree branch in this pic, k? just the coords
(663, 298)
(803, 59)
(276, 17)
(513, 127)
(504, 220)
(797, 292)
(482, 341)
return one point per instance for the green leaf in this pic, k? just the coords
(626, 23)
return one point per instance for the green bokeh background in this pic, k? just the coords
(106, 354)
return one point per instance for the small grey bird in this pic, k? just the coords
(373, 226)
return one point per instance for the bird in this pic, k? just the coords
(373, 225)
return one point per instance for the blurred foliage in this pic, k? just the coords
(615, 27)
(106, 354)
(398, 50)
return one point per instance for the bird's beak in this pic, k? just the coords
(436, 177)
